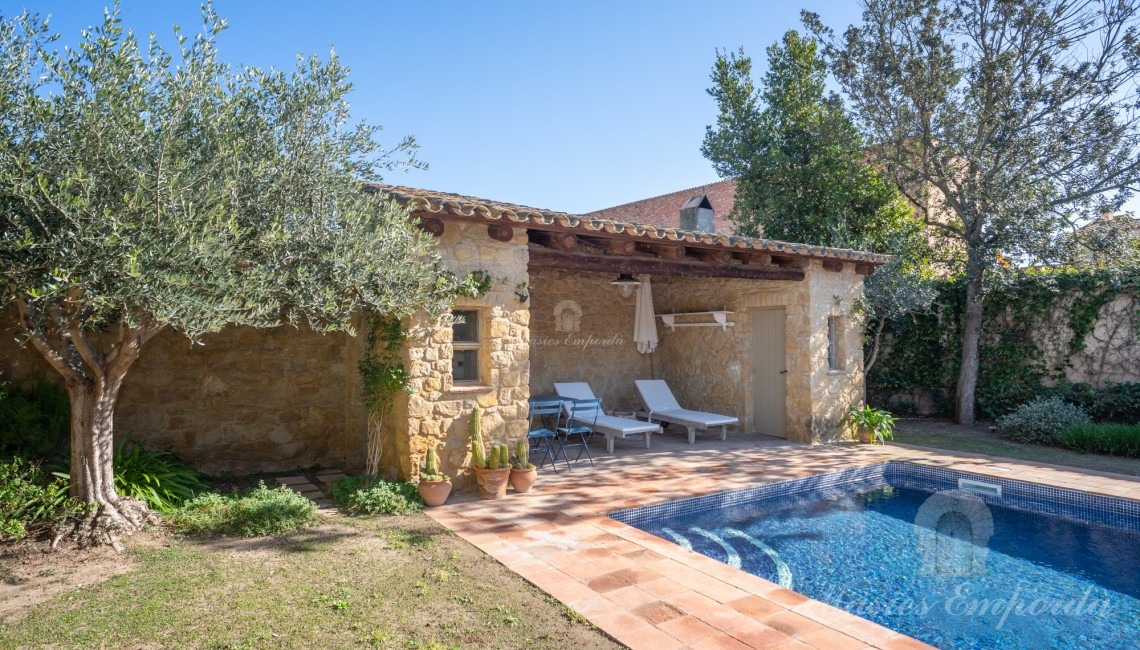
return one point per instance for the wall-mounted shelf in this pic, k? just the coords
(719, 319)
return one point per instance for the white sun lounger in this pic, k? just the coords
(662, 406)
(609, 426)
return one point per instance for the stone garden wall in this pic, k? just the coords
(245, 400)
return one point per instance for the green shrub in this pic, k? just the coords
(34, 423)
(260, 513)
(1109, 403)
(368, 495)
(1042, 421)
(1115, 439)
(30, 499)
(160, 478)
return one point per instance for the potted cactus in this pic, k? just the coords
(492, 469)
(523, 473)
(434, 486)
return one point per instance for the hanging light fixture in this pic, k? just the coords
(626, 284)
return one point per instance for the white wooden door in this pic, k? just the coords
(769, 372)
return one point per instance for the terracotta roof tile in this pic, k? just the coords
(444, 203)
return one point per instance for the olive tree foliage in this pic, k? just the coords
(1007, 120)
(143, 190)
(799, 161)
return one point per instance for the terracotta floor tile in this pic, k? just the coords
(721, 592)
(648, 638)
(722, 618)
(758, 635)
(827, 639)
(630, 597)
(663, 587)
(791, 623)
(690, 601)
(719, 642)
(904, 643)
(656, 612)
(688, 629)
(755, 606)
(606, 582)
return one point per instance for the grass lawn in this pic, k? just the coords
(386, 582)
(941, 434)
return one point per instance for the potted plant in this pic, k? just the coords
(492, 470)
(523, 473)
(870, 425)
(434, 486)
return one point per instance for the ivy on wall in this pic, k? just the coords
(1036, 324)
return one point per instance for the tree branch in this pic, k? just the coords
(54, 358)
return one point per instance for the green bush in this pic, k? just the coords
(1109, 403)
(34, 423)
(1042, 421)
(1115, 439)
(260, 513)
(30, 499)
(368, 495)
(160, 478)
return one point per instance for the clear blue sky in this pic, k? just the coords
(573, 106)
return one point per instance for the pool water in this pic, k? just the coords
(1038, 581)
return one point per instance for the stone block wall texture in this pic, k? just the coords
(582, 330)
(244, 400)
(437, 412)
(711, 369)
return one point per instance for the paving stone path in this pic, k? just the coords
(314, 487)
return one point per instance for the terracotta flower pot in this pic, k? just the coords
(523, 479)
(434, 493)
(492, 482)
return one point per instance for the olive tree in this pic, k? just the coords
(1007, 121)
(143, 190)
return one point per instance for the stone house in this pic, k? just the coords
(787, 359)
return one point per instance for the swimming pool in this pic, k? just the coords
(953, 559)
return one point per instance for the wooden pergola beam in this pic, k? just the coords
(563, 241)
(714, 255)
(577, 261)
(500, 232)
(864, 269)
(434, 227)
(665, 251)
(835, 266)
(612, 245)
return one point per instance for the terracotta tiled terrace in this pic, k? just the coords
(649, 593)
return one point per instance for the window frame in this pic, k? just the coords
(836, 355)
(478, 346)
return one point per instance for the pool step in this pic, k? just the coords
(783, 571)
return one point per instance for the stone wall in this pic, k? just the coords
(582, 330)
(708, 369)
(437, 412)
(711, 369)
(245, 400)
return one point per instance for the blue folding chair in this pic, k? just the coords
(541, 437)
(583, 413)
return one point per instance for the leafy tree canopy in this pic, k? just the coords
(803, 175)
(1008, 120)
(142, 189)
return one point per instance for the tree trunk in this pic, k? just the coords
(93, 378)
(92, 458)
(875, 341)
(971, 336)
